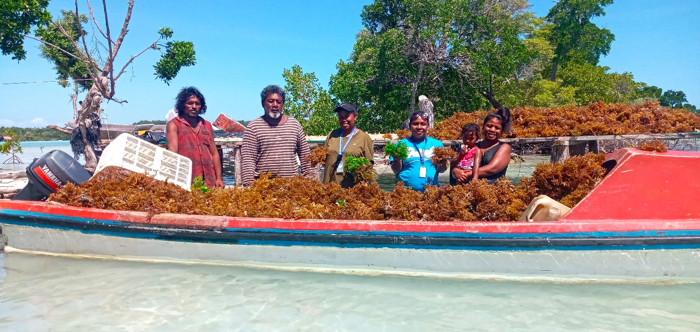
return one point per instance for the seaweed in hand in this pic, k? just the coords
(398, 150)
(442, 155)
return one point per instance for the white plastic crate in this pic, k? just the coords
(137, 155)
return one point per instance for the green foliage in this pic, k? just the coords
(673, 99)
(452, 51)
(352, 163)
(67, 67)
(198, 184)
(308, 102)
(37, 134)
(398, 150)
(12, 145)
(575, 38)
(165, 33)
(16, 19)
(594, 83)
(177, 54)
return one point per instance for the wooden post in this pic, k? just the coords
(577, 149)
(593, 146)
(560, 151)
(237, 171)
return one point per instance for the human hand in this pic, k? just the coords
(219, 184)
(459, 175)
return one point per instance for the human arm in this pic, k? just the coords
(217, 160)
(303, 151)
(396, 165)
(498, 163)
(462, 152)
(171, 136)
(477, 162)
(249, 156)
(369, 149)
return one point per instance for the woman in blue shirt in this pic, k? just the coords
(417, 170)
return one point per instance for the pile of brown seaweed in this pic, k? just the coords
(317, 156)
(594, 119)
(295, 198)
(653, 146)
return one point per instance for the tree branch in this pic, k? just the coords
(82, 34)
(118, 101)
(63, 130)
(132, 59)
(90, 65)
(56, 47)
(112, 55)
(94, 20)
(120, 39)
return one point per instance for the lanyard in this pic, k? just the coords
(425, 144)
(342, 148)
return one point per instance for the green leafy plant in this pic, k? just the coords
(11, 146)
(398, 150)
(351, 163)
(198, 184)
(360, 168)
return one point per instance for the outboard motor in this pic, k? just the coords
(49, 173)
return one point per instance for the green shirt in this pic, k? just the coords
(360, 146)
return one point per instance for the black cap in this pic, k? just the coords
(346, 107)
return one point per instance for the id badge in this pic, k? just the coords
(423, 172)
(339, 170)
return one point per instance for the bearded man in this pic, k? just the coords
(273, 142)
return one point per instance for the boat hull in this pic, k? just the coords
(634, 224)
(513, 253)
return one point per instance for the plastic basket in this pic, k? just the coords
(137, 155)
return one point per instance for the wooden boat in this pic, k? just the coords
(642, 222)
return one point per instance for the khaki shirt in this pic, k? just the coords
(361, 146)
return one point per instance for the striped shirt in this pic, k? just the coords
(273, 149)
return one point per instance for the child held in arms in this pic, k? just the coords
(469, 156)
(193, 137)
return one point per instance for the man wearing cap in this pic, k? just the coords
(273, 142)
(345, 141)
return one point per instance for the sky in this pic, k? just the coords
(242, 46)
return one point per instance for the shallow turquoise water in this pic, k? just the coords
(39, 293)
(35, 149)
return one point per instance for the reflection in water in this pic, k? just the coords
(42, 293)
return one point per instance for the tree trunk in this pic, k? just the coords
(414, 88)
(90, 157)
(553, 78)
(489, 96)
(90, 105)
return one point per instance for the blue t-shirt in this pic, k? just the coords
(410, 172)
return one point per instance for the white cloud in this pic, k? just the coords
(6, 123)
(38, 122)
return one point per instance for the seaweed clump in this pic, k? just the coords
(441, 155)
(360, 168)
(595, 119)
(403, 133)
(653, 146)
(317, 156)
(397, 151)
(568, 182)
(115, 188)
